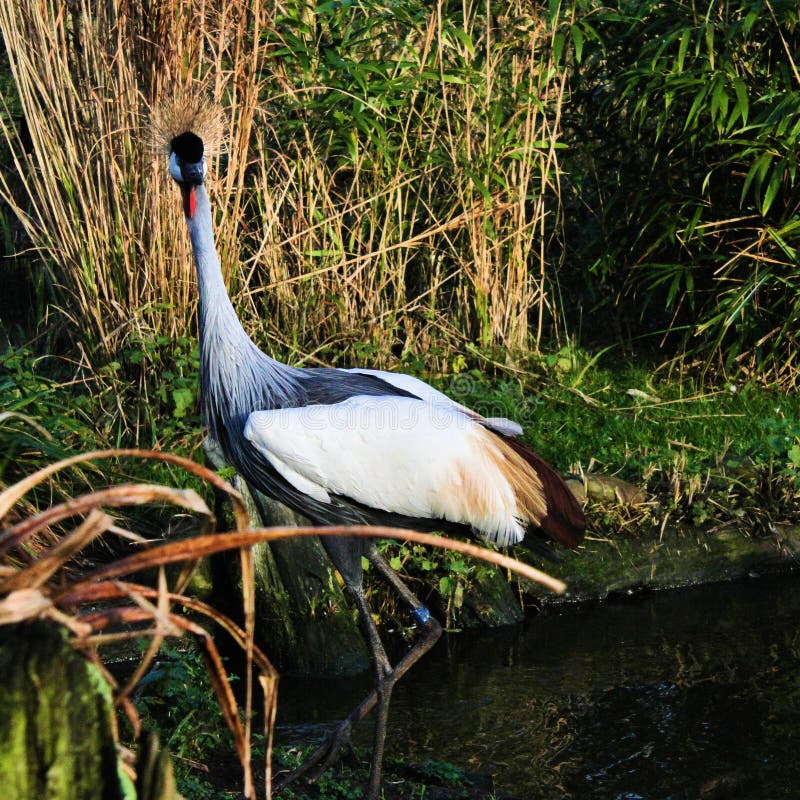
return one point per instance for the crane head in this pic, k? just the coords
(189, 128)
(187, 166)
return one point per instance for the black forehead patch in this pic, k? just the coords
(188, 147)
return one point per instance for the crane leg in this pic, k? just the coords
(384, 683)
(385, 678)
(379, 699)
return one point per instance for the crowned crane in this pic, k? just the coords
(358, 446)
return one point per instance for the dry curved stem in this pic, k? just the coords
(15, 492)
(42, 589)
(131, 615)
(101, 584)
(29, 589)
(202, 546)
(40, 429)
(52, 559)
(117, 590)
(115, 496)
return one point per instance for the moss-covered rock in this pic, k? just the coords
(55, 721)
(490, 600)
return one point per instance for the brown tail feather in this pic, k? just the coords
(564, 520)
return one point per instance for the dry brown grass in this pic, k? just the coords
(41, 577)
(88, 191)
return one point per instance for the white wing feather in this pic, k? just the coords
(398, 454)
(426, 392)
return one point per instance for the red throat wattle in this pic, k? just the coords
(189, 202)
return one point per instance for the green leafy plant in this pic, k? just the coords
(684, 165)
(176, 698)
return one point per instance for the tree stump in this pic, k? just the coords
(304, 621)
(56, 737)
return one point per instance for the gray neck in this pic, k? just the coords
(235, 376)
(217, 314)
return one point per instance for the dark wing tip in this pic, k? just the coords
(565, 521)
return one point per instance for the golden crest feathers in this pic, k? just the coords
(186, 111)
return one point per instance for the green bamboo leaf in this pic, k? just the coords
(743, 298)
(554, 9)
(755, 175)
(591, 33)
(719, 103)
(674, 287)
(723, 110)
(698, 104)
(788, 251)
(772, 190)
(577, 41)
(465, 39)
(751, 18)
(558, 47)
(546, 144)
(742, 104)
(451, 77)
(682, 48)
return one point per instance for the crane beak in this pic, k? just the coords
(189, 202)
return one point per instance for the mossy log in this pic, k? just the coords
(55, 721)
(625, 565)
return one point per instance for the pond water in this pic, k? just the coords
(682, 694)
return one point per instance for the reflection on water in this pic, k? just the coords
(684, 694)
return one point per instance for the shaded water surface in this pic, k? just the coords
(683, 694)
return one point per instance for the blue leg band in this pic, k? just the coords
(421, 614)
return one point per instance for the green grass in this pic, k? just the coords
(48, 412)
(175, 699)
